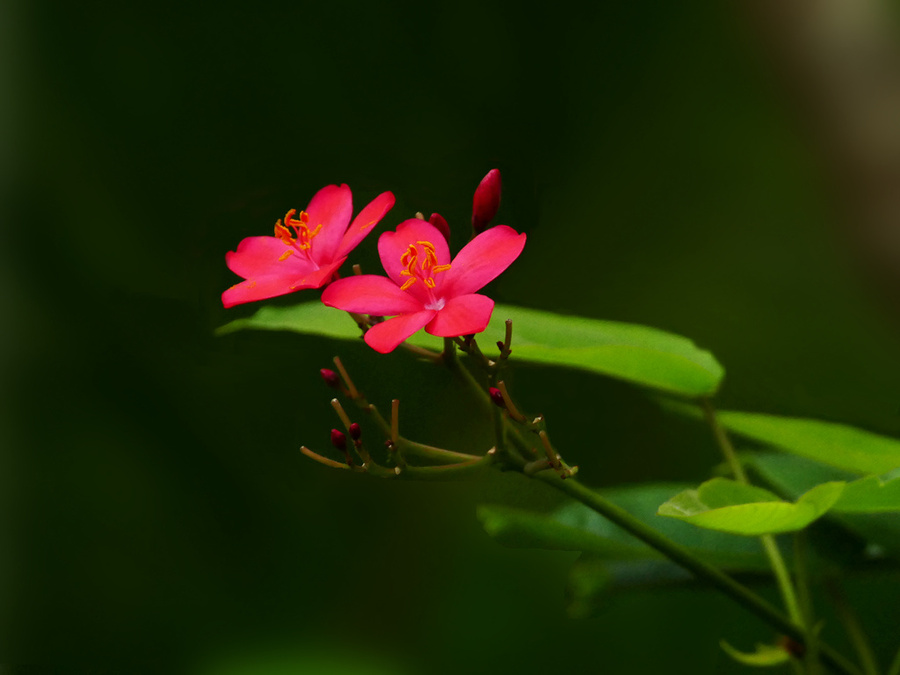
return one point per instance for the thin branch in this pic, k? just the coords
(322, 460)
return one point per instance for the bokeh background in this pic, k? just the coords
(725, 171)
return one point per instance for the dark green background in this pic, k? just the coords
(156, 507)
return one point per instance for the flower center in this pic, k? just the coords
(302, 237)
(420, 265)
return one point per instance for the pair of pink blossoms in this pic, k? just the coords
(424, 287)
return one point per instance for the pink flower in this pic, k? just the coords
(425, 289)
(307, 249)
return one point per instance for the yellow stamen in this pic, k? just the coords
(301, 221)
(287, 254)
(283, 233)
(304, 237)
(424, 269)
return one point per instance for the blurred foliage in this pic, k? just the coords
(156, 506)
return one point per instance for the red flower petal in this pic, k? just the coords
(255, 289)
(370, 294)
(365, 222)
(331, 207)
(462, 315)
(482, 260)
(384, 337)
(260, 257)
(392, 246)
(272, 285)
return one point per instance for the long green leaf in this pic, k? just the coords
(727, 506)
(838, 445)
(870, 495)
(593, 579)
(518, 528)
(638, 354)
(574, 527)
(792, 475)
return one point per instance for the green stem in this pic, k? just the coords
(783, 578)
(412, 448)
(672, 550)
(443, 472)
(801, 573)
(683, 557)
(422, 451)
(770, 546)
(723, 442)
(449, 354)
(853, 627)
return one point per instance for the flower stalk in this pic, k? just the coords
(770, 546)
(789, 626)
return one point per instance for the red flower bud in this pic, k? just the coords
(355, 431)
(338, 440)
(440, 223)
(497, 397)
(486, 201)
(330, 377)
(792, 647)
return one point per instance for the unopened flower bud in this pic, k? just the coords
(497, 397)
(331, 378)
(441, 224)
(338, 440)
(792, 647)
(355, 431)
(486, 201)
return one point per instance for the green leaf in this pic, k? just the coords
(309, 318)
(593, 579)
(870, 495)
(791, 476)
(838, 445)
(518, 528)
(638, 354)
(727, 506)
(575, 527)
(764, 656)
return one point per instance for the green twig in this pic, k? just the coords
(852, 625)
(770, 546)
(650, 536)
(804, 594)
(683, 557)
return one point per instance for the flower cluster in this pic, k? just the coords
(424, 287)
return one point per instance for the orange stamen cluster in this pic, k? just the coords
(424, 270)
(301, 238)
